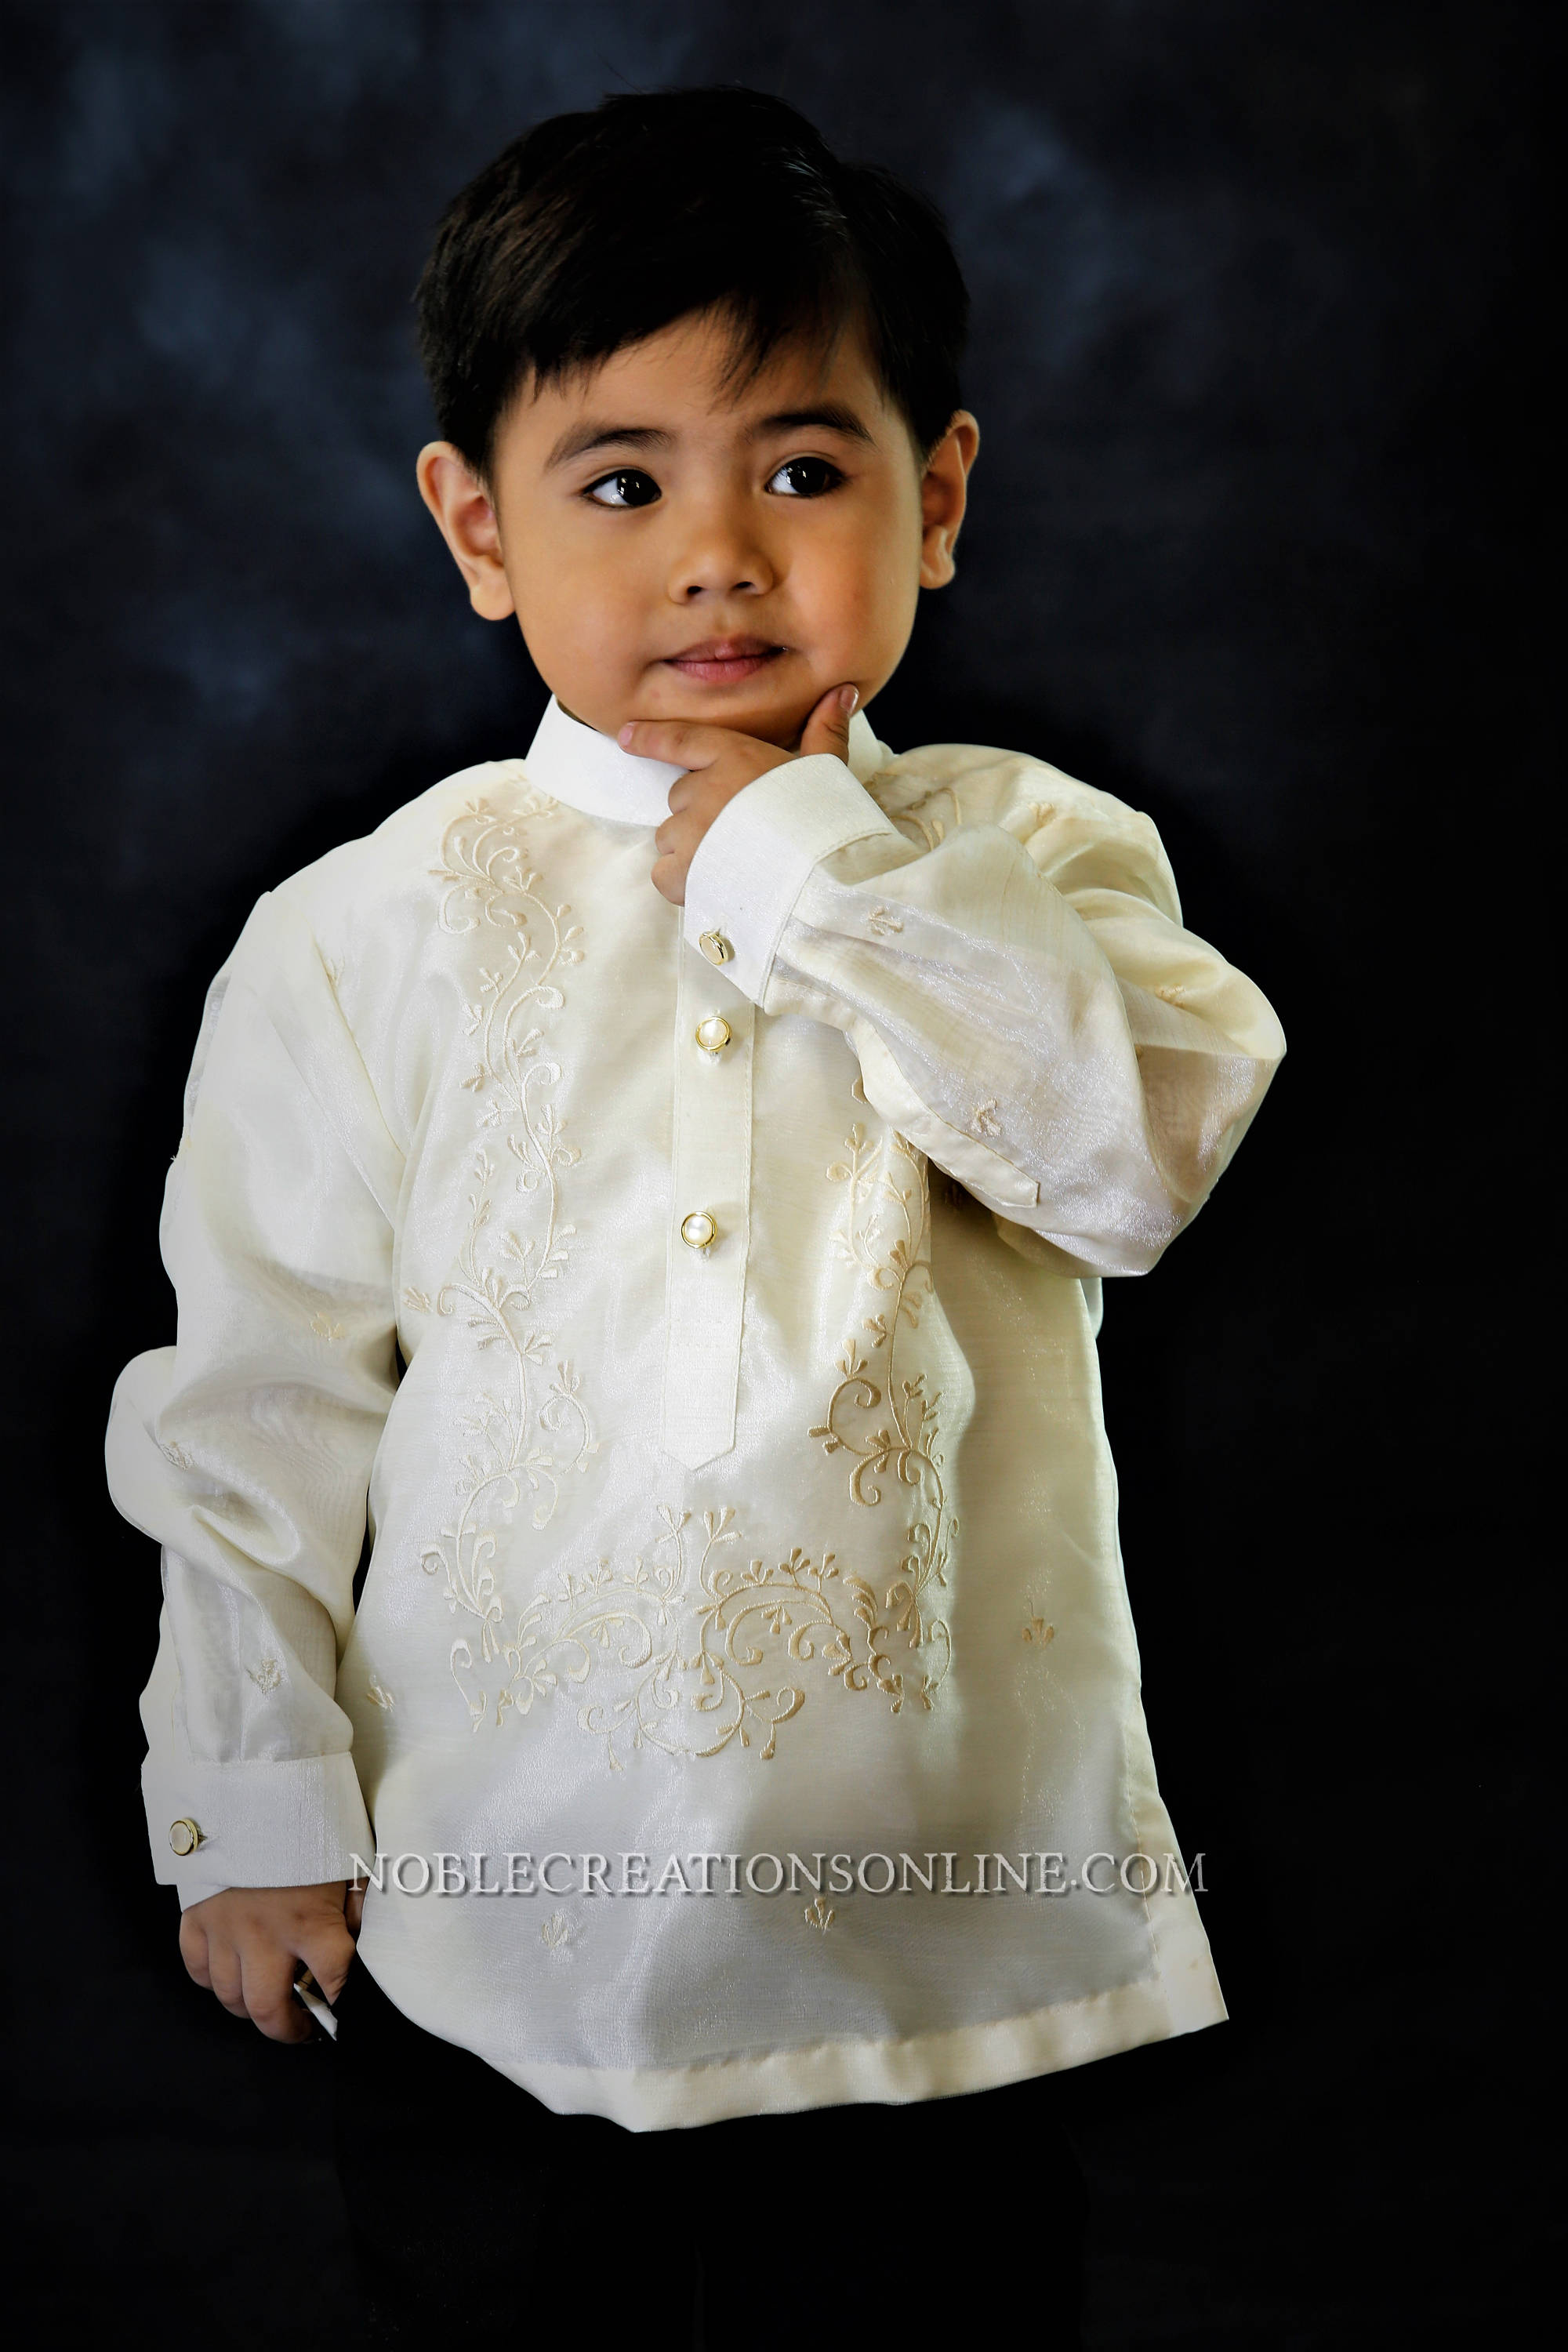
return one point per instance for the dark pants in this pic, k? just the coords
(471, 2204)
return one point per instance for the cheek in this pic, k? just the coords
(862, 586)
(570, 604)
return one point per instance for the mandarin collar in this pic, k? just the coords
(575, 763)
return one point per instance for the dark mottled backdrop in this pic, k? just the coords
(1251, 546)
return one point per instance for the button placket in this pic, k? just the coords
(709, 1210)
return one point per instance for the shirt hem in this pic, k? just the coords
(1182, 1998)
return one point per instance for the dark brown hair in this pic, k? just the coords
(598, 229)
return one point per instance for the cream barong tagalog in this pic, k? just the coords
(737, 1481)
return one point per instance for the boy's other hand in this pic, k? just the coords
(718, 763)
(248, 1944)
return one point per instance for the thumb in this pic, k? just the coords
(827, 729)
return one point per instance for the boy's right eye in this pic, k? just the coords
(629, 488)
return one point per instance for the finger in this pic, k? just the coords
(193, 1951)
(672, 837)
(227, 1977)
(670, 880)
(328, 1951)
(269, 1976)
(827, 729)
(684, 742)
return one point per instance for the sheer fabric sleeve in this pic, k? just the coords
(1023, 1000)
(245, 1449)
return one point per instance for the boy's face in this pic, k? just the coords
(672, 550)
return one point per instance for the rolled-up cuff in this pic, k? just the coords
(290, 1823)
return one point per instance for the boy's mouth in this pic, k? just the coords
(722, 661)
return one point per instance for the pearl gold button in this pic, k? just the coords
(716, 947)
(184, 1836)
(700, 1231)
(714, 1033)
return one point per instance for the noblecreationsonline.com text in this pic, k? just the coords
(877, 1874)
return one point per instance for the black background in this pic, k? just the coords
(1255, 543)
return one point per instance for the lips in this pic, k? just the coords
(721, 661)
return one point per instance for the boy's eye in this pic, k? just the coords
(629, 488)
(805, 478)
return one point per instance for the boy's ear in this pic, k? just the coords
(943, 495)
(467, 521)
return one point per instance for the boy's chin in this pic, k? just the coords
(768, 723)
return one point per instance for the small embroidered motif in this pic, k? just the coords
(418, 1300)
(819, 1914)
(177, 1454)
(983, 1119)
(554, 1933)
(1035, 1628)
(266, 1673)
(932, 830)
(1170, 994)
(378, 1694)
(325, 1328)
(882, 922)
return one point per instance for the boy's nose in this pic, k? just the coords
(721, 563)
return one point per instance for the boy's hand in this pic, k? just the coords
(247, 1944)
(718, 763)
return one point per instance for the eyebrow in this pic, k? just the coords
(579, 439)
(829, 416)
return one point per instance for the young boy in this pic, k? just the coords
(663, 1185)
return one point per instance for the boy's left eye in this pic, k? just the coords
(805, 478)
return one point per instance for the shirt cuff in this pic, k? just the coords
(268, 1823)
(753, 861)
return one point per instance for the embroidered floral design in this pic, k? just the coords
(882, 922)
(1035, 1628)
(983, 1120)
(530, 1428)
(266, 1673)
(689, 1634)
(178, 1454)
(325, 1328)
(554, 1933)
(889, 1424)
(378, 1694)
(819, 1914)
(932, 830)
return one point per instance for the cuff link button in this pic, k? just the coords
(716, 947)
(184, 1836)
(700, 1231)
(713, 1034)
